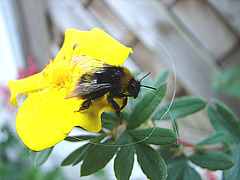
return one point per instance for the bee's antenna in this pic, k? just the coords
(148, 87)
(144, 76)
(145, 85)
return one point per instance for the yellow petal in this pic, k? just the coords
(22, 86)
(36, 122)
(72, 36)
(101, 46)
(42, 122)
(91, 119)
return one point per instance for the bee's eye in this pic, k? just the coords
(75, 45)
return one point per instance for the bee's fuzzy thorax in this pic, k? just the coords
(126, 79)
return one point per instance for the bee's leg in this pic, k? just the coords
(116, 107)
(124, 103)
(85, 105)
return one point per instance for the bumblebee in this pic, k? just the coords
(100, 79)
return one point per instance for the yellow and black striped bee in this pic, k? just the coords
(100, 79)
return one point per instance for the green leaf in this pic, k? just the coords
(83, 154)
(190, 173)
(181, 107)
(156, 136)
(178, 167)
(151, 162)
(212, 160)
(175, 164)
(167, 154)
(234, 172)
(77, 154)
(144, 109)
(92, 138)
(109, 120)
(98, 138)
(215, 138)
(223, 119)
(227, 81)
(98, 157)
(79, 138)
(123, 163)
(161, 78)
(39, 157)
(176, 170)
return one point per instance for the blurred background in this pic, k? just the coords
(201, 36)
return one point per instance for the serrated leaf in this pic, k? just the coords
(109, 120)
(234, 172)
(181, 107)
(190, 173)
(223, 119)
(39, 157)
(98, 157)
(144, 109)
(162, 77)
(215, 138)
(212, 160)
(123, 163)
(80, 152)
(151, 162)
(156, 136)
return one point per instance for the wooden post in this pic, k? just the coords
(33, 30)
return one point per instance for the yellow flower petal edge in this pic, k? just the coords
(72, 37)
(45, 118)
(102, 46)
(23, 86)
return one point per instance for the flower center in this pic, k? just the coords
(58, 75)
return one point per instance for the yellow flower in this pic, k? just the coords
(45, 118)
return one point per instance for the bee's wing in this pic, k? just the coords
(88, 64)
(86, 89)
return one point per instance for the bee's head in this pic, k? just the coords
(134, 86)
